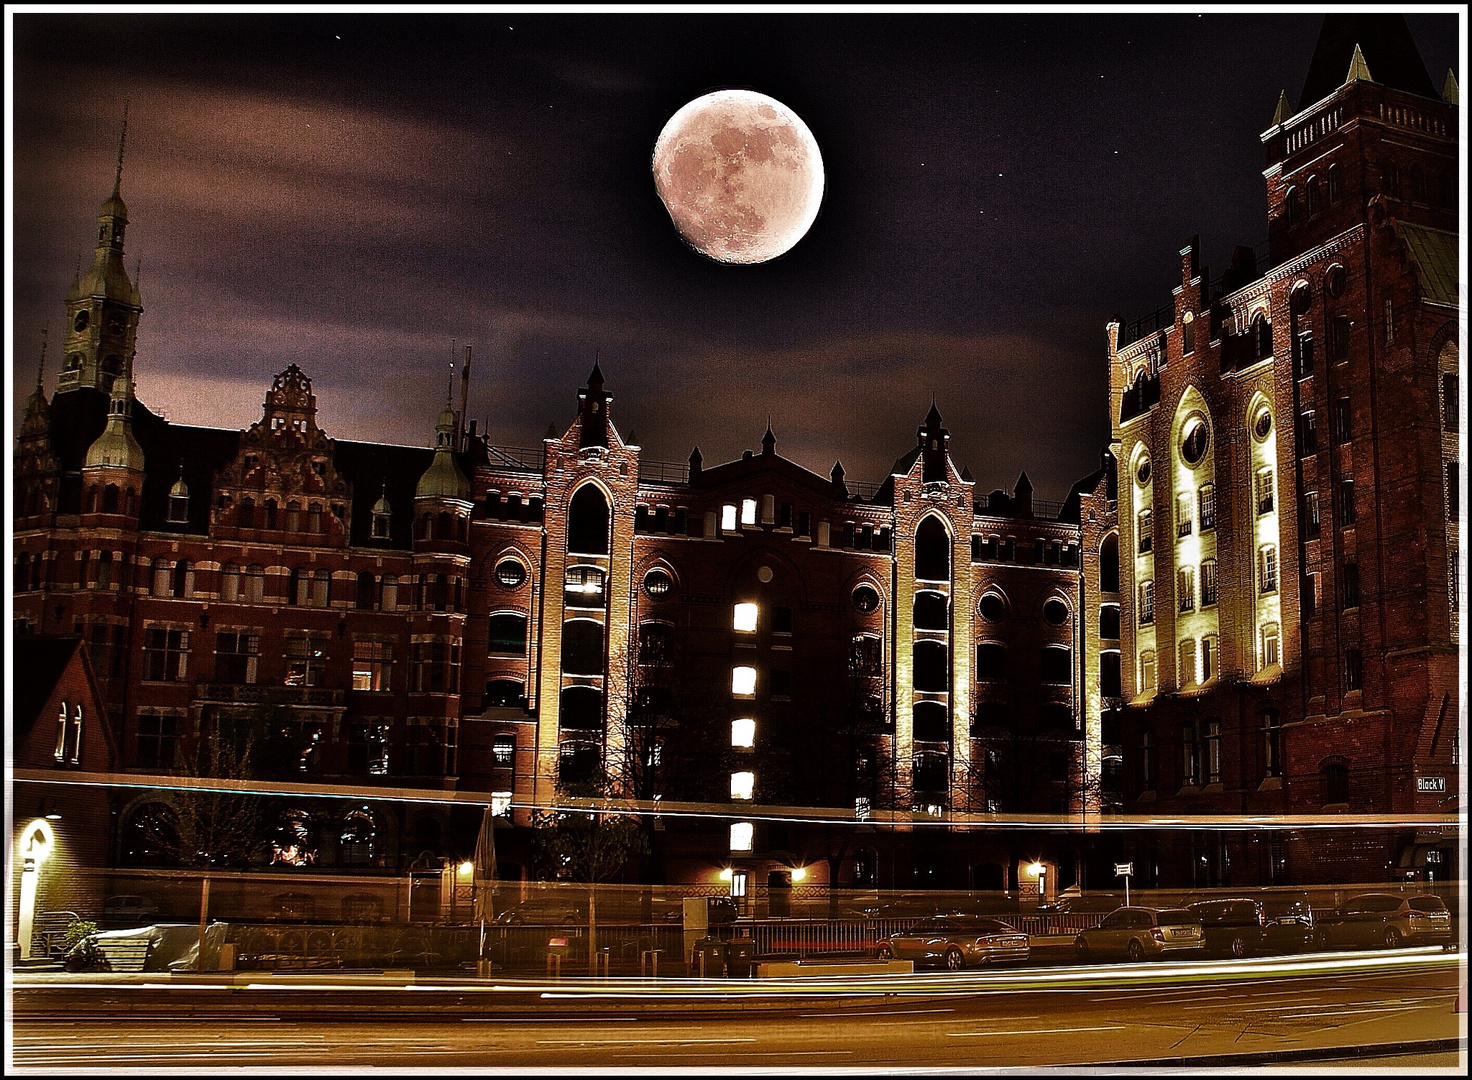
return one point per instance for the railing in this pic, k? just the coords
(257, 692)
(518, 457)
(672, 473)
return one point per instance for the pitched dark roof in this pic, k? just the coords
(40, 660)
(1387, 46)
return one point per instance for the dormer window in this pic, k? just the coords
(381, 520)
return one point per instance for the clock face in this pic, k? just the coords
(115, 323)
(84, 317)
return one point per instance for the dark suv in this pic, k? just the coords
(1235, 927)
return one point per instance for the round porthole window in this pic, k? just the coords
(1055, 611)
(1262, 423)
(510, 573)
(1142, 472)
(992, 607)
(866, 599)
(1193, 441)
(657, 584)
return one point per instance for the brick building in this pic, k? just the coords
(1249, 607)
(1287, 536)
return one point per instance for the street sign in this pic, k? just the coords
(1431, 783)
(1124, 869)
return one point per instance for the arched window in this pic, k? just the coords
(1311, 195)
(931, 722)
(1056, 664)
(507, 634)
(1109, 563)
(932, 611)
(1109, 620)
(357, 843)
(363, 596)
(1262, 337)
(444, 526)
(293, 516)
(930, 773)
(295, 587)
(1290, 206)
(504, 694)
(183, 579)
(582, 708)
(104, 569)
(255, 584)
(1333, 187)
(931, 667)
(388, 598)
(321, 588)
(932, 551)
(270, 522)
(587, 522)
(577, 762)
(582, 647)
(246, 514)
(230, 583)
(110, 499)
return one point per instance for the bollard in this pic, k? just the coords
(603, 960)
(649, 957)
(554, 965)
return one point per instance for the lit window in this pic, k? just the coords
(748, 511)
(1183, 515)
(728, 518)
(743, 682)
(745, 618)
(1267, 568)
(1270, 645)
(1147, 670)
(1187, 588)
(500, 803)
(743, 733)
(740, 837)
(741, 785)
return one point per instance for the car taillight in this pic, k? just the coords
(1157, 933)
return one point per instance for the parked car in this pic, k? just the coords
(1290, 921)
(1387, 920)
(1236, 927)
(1079, 903)
(1140, 932)
(534, 914)
(122, 911)
(957, 942)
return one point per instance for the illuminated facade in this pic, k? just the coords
(1288, 496)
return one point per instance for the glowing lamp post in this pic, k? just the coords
(1040, 871)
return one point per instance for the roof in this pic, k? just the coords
(40, 660)
(1435, 254)
(1387, 46)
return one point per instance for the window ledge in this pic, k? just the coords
(1333, 806)
(1146, 796)
(1271, 783)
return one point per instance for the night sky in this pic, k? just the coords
(365, 194)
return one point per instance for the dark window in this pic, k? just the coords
(932, 611)
(992, 607)
(1147, 603)
(1109, 563)
(582, 647)
(1453, 490)
(1336, 782)
(582, 708)
(587, 522)
(1451, 418)
(932, 551)
(780, 684)
(1272, 733)
(1339, 338)
(235, 657)
(930, 773)
(1208, 582)
(577, 762)
(507, 634)
(1354, 670)
(1109, 621)
(1342, 423)
(1057, 664)
(1262, 335)
(991, 660)
(363, 597)
(1308, 434)
(1147, 761)
(158, 741)
(1305, 355)
(504, 694)
(931, 667)
(1055, 612)
(932, 722)
(165, 654)
(656, 644)
(866, 656)
(1310, 515)
(865, 599)
(1350, 585)
(1346, 502)
(1109, 674)
(781, 620)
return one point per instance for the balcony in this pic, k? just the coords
(255, 693)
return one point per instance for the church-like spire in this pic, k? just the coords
(1450, 91)
(116, 447)
(769, 441)
(935, 443)
(1358, 69)
(1283, 111)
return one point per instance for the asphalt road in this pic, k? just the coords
(1219, 1013)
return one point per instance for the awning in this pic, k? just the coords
(1270, 674)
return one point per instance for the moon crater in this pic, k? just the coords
(740, 175)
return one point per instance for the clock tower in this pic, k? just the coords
(103, 305)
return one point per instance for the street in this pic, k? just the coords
(1012, 1020)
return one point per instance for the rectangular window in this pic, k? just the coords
(1145, 527)
(1109, 674)
(1308, 434)
(503, 750)
(740, 841)
(1208, 506)
(1147, 603)
(373, 665)
(780, 684)
(1183, 515)
(1339, 338)
(1147, 670)
(1190, 756)
(1265, 492)
(1310, 515)
(1311, 586)
(1270, 645)
(1267, 568)
(158, 741)
(235, 656)
(1350, 585)
(742, 784)
(1354, 670)
(1208, 657)
(1213, 751)
(781, 620)
(368, 749)
(1147, 761)
(744, 618)
(1186, 588)
(1272, 735)
(743, 682)
(1305, 357)
(306, 657)
(165, 654)
(728, 517)
(1451, 401)
(743, 733)
(748, 511)
(865, 658)
(436, 666)
(1453, 490)
(784, 515)
(1342, 425)
(1208, 583)
(1187, 673)
(1346, 502)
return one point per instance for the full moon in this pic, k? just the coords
(740, 175)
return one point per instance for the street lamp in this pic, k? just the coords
(1040, 871)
